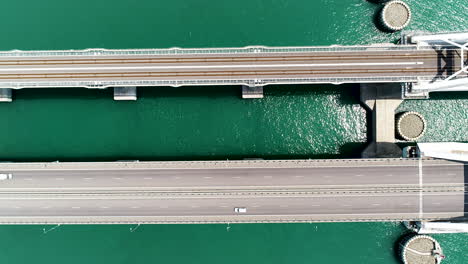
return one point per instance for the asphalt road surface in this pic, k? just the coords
(203, 192)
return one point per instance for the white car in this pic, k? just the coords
(5, 176)
(240, 209)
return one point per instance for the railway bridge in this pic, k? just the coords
(423, 63)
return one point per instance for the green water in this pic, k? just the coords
(207, 123)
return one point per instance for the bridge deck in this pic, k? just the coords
(200, 67)
(202, 192)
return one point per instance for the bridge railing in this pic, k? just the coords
(206, 51)
(176, 83)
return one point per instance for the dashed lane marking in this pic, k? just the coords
(420, 189)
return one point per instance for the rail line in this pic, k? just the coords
(216, 59)
(212, 73)
(133, 68)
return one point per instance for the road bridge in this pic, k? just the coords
(208, 191)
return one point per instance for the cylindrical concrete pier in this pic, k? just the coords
(395, 15)
(410, 126)
(420, 249)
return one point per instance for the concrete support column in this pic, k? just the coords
(252, 92)
(128, 93)
(382, 100)
(6, 95)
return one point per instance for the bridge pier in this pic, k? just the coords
(5, 95)
(128, 93)
(382, 100)
(252, 92)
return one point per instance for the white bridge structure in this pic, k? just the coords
(422, 63)
(458, 80)
(445, 150)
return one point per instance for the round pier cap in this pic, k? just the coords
(421, 249)
(410, 125)
(395, 15)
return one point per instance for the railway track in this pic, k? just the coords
(231, 68)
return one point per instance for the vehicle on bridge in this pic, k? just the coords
(5, 176)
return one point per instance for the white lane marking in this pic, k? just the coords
(88, 178)
(389, 175)
(223, 206)
(420, 189)
(147, 178)
(76, 207)
(436, 203)
(116, 178)
(298, 176)
(16, 207)
(376, 204)
(104, 207)
(451, 174)
(359, 175)
(176, 177)
(168, 67)
(28, 179)
(267, 177)
(315, 205)
(135, 207)
(284, 205)
(236, 177)
(45, 207)
(207, 177)
(347, 205)
(255, 205)
(60, 179)
(406, 204)
(327, 176)
(195, 206)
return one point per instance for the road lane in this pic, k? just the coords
(395, 174)
(221, 209)
(208, 191)
(215, 205)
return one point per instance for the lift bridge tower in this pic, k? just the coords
(452, 75)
